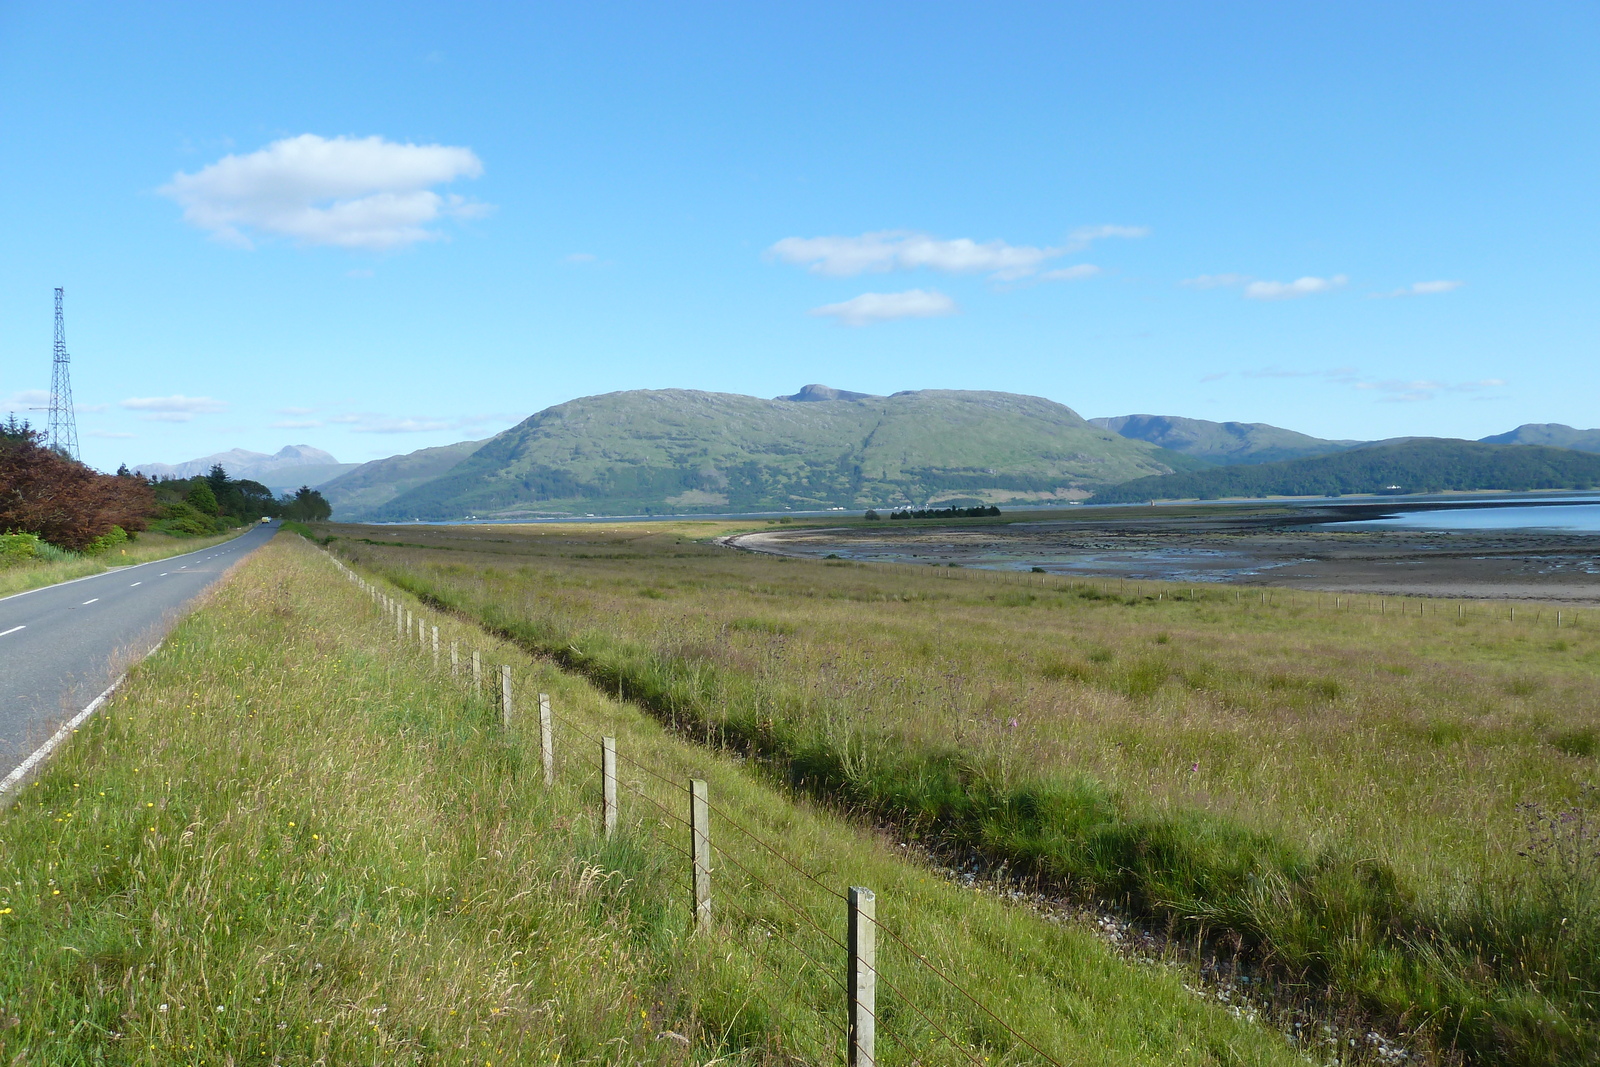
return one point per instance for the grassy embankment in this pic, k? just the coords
(1388, 808)
(292, 840)
(150, 546)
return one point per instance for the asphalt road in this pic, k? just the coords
(62, 645)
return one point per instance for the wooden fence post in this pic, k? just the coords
(547, 741)
(505, 695)
(399, 622)
(700, 852)
(608, 774)
(455, 658)
(862, 988)
(435, 648)
(477, 673)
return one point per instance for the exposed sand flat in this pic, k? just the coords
(1250, 549)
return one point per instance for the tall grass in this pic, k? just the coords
(65, 566)
(292, 840)
(1346, 794)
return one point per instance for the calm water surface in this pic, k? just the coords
(1583, 518)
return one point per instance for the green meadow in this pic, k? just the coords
(295, 837)
(1388, 806)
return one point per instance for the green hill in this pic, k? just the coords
(1554, 434)
(1414, 465)
(685, 451)
(1222, 443)
(357, 494)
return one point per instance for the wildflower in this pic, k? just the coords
(161, 1007)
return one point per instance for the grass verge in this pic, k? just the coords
(292, 839)
(21, 577)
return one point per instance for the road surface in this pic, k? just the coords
(62, 645)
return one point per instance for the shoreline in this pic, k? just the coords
(1532, 565)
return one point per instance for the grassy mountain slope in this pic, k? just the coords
(356, 494)
(1554, 434)
(1222, 443)
(1415, 465)
(685, 451)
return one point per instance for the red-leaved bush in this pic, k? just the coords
(43, 492)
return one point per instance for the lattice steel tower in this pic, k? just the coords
(63, 423)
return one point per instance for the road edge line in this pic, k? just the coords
(42, 753)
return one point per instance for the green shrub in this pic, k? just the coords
(18, 548)
(106, 541)
(182, 520)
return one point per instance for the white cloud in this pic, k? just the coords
(1072, 274)
(297, 411)
(373, 422)
(1423, 289)
(1215, 281)
(1307, 286)
(885, 307)
(296, 424)
(402, 426)
(1083, 236)
(28, 398)
(176, 408)
(886, 250)
(348, 192)
(582, 257)
(110, 435)
(1398, 391)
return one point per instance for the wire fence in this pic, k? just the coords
(744, 889)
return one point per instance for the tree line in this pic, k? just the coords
(54, 498)
(952, 512)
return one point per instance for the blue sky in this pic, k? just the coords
(373, 228)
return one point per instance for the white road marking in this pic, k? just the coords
(13, 630)
(163, 574)
(91, 600)
(135, 583)
(61, 735)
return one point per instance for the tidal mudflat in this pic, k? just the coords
(1331, 549)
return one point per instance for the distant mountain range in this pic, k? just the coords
(370, 486)
(686, 451)
(1553, 434)
(1222, 443)
(290, 467)
(1413, 465)
(1227, 444)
